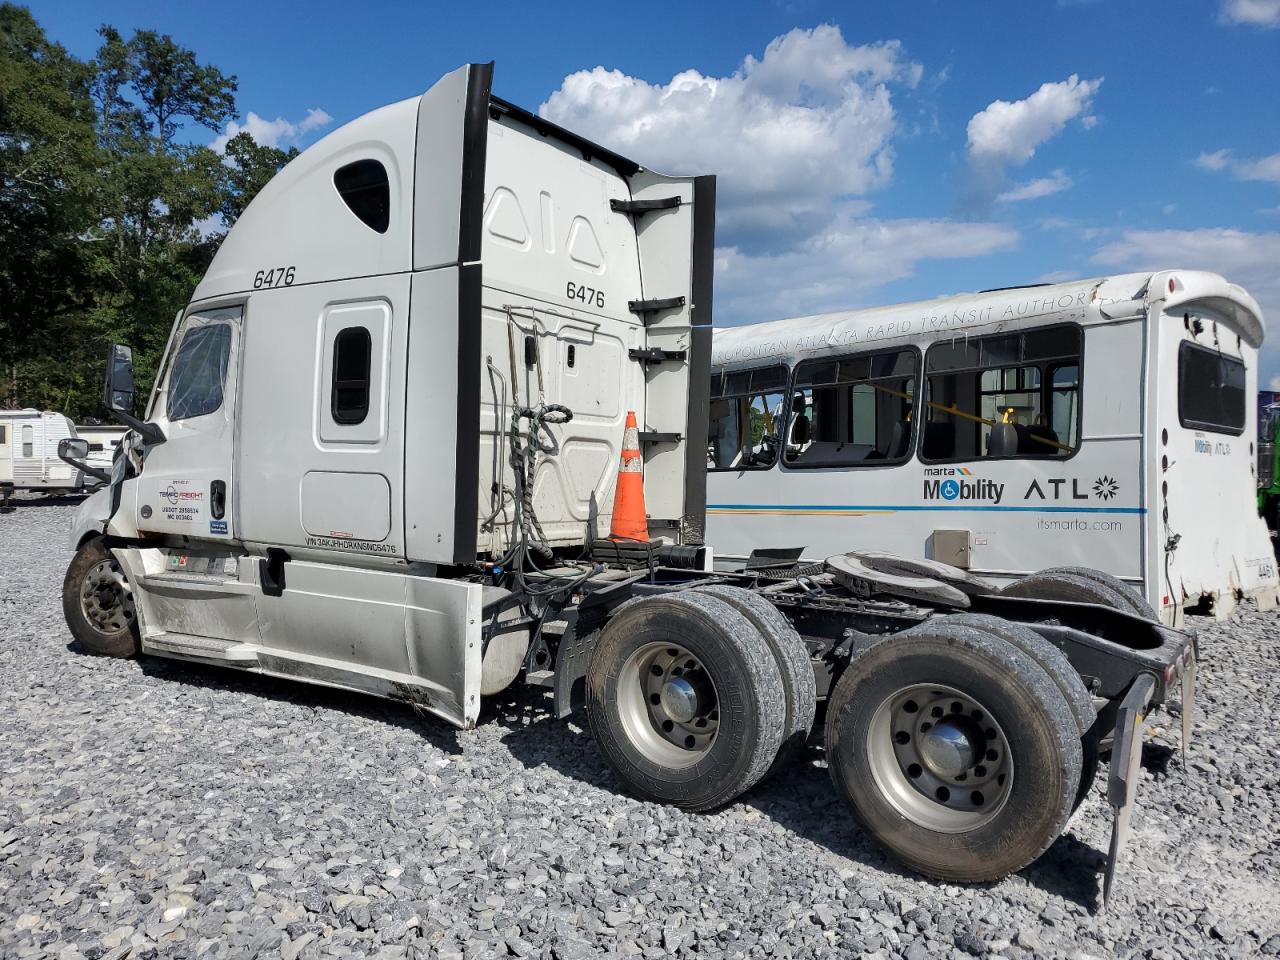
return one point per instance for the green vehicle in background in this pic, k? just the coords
(1269, 465)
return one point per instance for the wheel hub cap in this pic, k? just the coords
(680, 700)
(947, 750)
(106, 598)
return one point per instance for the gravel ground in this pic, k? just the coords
(151, 808)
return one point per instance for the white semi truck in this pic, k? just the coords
(380, 455)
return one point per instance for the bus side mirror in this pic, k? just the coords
(118, 389)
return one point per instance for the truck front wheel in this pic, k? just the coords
(956, 750)
(98, 602)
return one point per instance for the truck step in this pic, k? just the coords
(206, 648)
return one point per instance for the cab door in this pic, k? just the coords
(186, 483)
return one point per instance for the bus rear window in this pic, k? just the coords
(1211, 391)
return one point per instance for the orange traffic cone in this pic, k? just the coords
(629, 521)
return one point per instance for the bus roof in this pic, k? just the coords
(1080, 301)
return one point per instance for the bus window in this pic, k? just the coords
(746, 411)
(1211, 393)
(1011, 395)
(854, 411)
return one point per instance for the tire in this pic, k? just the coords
(1055, 663)
(1032, 740)
(1082, 585)
(740, 698)
(98, 604)
(792, 657)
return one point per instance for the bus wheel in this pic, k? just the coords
(1082, 585)
(956, 750)
(1055, 663)
(98, 603)
(685, 700)
(793, 660)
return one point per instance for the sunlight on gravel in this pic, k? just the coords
(153, 808)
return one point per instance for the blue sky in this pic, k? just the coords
(868, 153)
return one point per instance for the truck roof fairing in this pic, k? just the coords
(299, 220)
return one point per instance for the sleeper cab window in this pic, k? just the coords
(852, 411)
(1211, 390)
(199, 371)
(352, 353)
(1009, 395)
(746, 414)
(365, 190)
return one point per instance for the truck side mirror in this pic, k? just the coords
(118, 389)
(117, 394)
(73, 447)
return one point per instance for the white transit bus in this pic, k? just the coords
(1106, 423)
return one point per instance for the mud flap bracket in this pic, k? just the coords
(1126, 765)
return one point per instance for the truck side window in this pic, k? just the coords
(365, 190)
(852, 411)
(199, 371)
(352, 350)
(1010, 395)
(746, 415)
(1211, 394)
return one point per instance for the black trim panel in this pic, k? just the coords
(699, 387)
(475, 143)
(466, 479)
(589, 150)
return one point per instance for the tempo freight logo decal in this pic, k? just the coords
(1105, 487)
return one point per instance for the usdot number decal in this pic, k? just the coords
(275, 277)
(588, 295)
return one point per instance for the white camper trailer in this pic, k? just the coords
(103, 440)
(1102, 423)
(29, 451)
(380, 455)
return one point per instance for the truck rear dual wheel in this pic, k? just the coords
(794, 663)
(98, 602)
(685, 700)
(955, 749)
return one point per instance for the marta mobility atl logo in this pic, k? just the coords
(959, 484)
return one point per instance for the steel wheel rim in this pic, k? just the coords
(940, 758)
(668, 705)
(105, 597)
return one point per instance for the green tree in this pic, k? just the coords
(249, 166)
(49, 157)
(109, 214)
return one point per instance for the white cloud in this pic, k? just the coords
(1266, 169)
(1274, 383)
(1035, 189)
(809, 121)
(1169, 209)
(1007, 133)
(1263, 168)
(796, 138)
(1260, 13)
(273, 133)
(1217, 160)
(843, 265)
(1248, 259)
